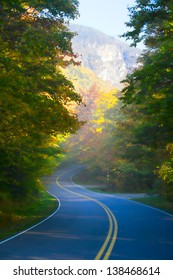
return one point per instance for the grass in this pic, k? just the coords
(92, 183)
(157, 202)
(21, 216)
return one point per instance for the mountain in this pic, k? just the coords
(109, 58)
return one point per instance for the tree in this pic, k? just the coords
(35, 97)
(151, 22)
(150, 86)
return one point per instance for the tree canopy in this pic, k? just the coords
(35, 97)
(149, 88)
(133, 139)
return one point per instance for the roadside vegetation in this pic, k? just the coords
(36, 105)
(93, 181)
(20, 215)
(157, 202)
(127, 140)
(129, 135)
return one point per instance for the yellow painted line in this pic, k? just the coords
(111, 246)
(112, 234)
(100, 253)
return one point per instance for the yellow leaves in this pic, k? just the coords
(47, 95)
(99, 129)
(165, 171)
(30, 13)
(169, 148)
(108, 99)
(159, 95)
(84, 79)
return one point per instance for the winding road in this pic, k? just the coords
(93, 226)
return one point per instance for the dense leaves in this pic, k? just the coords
(150, 87)
(133, 140)
(35, 97)
(151, 21)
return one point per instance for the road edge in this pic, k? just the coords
(28, 229)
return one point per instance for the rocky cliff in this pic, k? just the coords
(108, 57)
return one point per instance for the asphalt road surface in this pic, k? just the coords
(89, 226)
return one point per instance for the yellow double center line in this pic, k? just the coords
(107, 247)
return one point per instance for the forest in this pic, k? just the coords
(35, 97)
(129, 139)
(128, 134)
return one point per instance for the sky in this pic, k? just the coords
(108, 16)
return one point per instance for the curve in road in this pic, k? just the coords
(110, 239)
(91, 226)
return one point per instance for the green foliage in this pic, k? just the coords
(150, 87)
(132, 140)
(35, 97)
(157, 202)
(151, 21)
(16, 216)
(87, 144)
